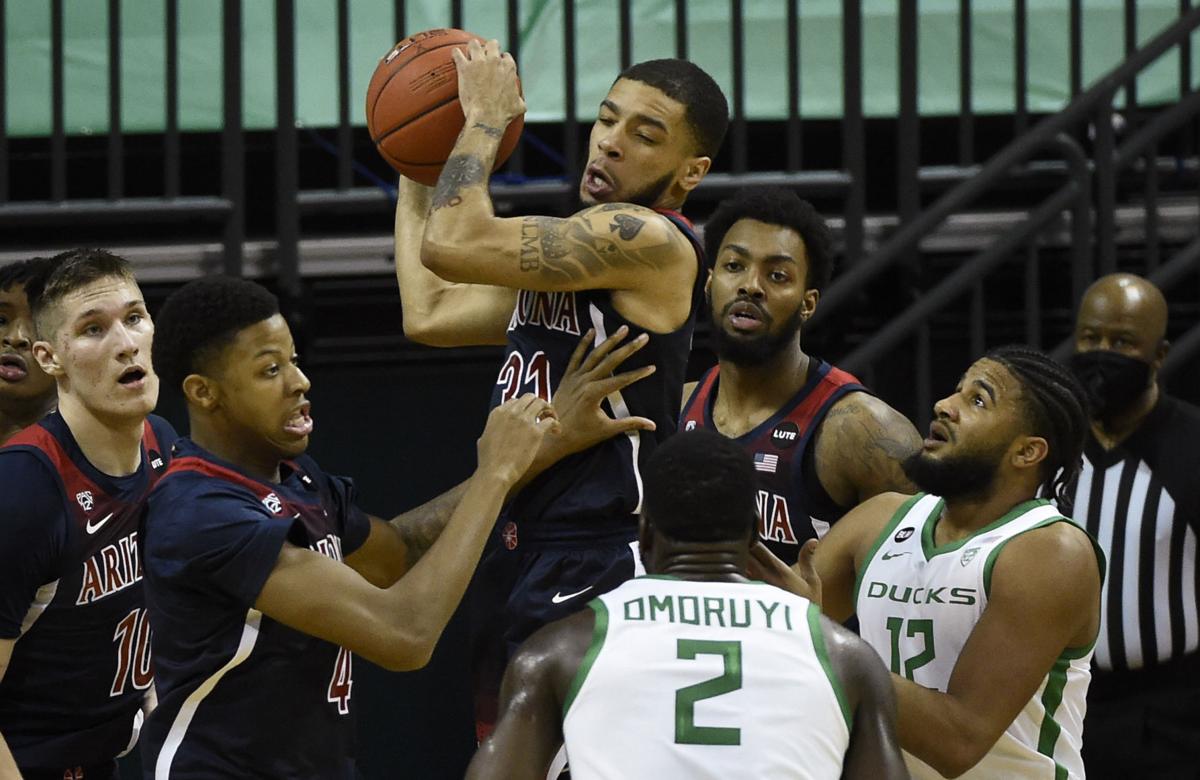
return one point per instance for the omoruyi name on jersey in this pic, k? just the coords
(711, 611)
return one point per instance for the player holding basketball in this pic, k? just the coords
(74, 639)
(982, 598)
(697, 671)
(821, 442)
(535, 283)
(27, 393)
(262, 576)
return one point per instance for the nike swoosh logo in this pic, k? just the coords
(560, 598)
(93, 528)
(889, 556)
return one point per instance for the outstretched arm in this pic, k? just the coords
(1045, 598)
(874, 752)
(394, 547)
(529, 730)
(399, 626)
(860, 445)
(436, 312)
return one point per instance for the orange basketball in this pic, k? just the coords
(413, 113)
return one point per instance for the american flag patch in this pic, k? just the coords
(765, 462)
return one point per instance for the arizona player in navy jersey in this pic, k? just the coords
(26, 392)
(535, 283)
(74, 637)
(263, 576)
(821, 442)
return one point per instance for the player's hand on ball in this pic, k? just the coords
(801, 579)
(587, 381)
(513, 434)
(488, 88)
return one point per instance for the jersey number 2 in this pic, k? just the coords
(133, 653)
(686, 730)
(517, 377)
(342, 681)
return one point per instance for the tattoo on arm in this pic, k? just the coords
(461, 171)
(489, 130)
(862, 454)
(568, 248)
(419, 528)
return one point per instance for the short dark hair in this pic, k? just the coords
(706, 110)
(776, 206)
(1056, 411)
(70, 271)
(699, 486)
(29, 273)
(201, 318)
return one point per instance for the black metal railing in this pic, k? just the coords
(1093, 107)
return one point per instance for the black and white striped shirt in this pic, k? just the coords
(1141, 501)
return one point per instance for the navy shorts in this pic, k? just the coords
(519, 588)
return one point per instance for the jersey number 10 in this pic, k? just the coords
(133, 653)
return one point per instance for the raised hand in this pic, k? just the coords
(801, 579)
(488, 88)
(513, 435)
(587, 381)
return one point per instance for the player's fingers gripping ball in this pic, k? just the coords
(413, 109)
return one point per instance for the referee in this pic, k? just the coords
(1138, 494)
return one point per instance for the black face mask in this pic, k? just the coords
(1113, 381)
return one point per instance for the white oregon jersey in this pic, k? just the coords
(918, 603)
(705, 680)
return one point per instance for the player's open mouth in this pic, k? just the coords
(938, 434)
(300, 423)
(13, 368)
(133, 377)
(746, 316)
(596, 182)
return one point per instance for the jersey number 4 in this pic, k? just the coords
(517, 376)
(342, 681)
(133, 653)
(686, 730)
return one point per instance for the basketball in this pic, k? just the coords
(413, 113)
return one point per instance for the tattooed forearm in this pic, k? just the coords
(490, 131)
(529, 244)
(419, 528)
(578, 251)
(461, 171)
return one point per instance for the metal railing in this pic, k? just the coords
(1094, 106)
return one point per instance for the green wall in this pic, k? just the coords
(27, 31)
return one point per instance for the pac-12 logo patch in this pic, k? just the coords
(273, 503)
(509, 535)
(690, 425)
(903, 534)
(968, 555)
(785, 435)
(85, 500)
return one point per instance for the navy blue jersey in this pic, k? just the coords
(71, 595)
(599, 490)
(239, 694)
(792, 505)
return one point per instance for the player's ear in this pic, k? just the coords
(43, 353)
(201, 391)
(694, 169)
(645, 537)
(808, 305)
(1030, 451)
(708, 287)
